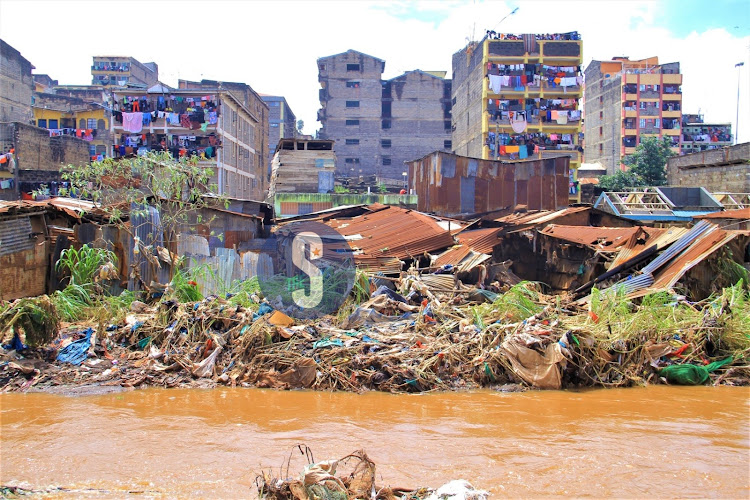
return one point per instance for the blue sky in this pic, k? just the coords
(682, 17)
(274, 45)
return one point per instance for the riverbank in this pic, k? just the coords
(518, 339)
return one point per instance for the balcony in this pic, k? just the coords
(631, 97)
(671, 114)
(671, 78)
(671, 97)
(631, 113)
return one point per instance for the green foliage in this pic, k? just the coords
(620, 181)
(36, 317)
(184, 287)
(647, 166)
(340, 190)
(128, 188)
(649, 161)
(382, 188)
(84, 265)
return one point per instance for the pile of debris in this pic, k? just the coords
(350, 477)
(418, 333)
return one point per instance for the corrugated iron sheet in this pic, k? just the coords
(480, 240)
(448, 184)
(392, 232)
(739, 214)
(15, 235)
(602, 239)
(452, 256)
(638, 244)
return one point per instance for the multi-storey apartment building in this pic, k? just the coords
(16, 85)
(697, 135)
(64, 115)
(120, 71)
(282, 124)
(379, 124)
(212, 124)
(627, 101)
(517, 96)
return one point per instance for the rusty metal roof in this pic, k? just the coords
(603, 239)
(480, 240)
(392, 232)
(739, 214)
(639, 243)
(452, 256)
(534, 217)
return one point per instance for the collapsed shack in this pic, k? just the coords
(437, 306)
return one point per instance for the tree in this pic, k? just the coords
(300, 126)
(649, 162)
(620, 181)
(647, 166)
(152, 198)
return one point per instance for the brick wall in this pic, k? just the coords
(16, 85)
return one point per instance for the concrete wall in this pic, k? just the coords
(468, 79)
(16, 85)
(603, 98)
(717, 170)
(410, 111)
(289, 204)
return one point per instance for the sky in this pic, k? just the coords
(273, 45)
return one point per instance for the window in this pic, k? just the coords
(385, 143)
(601, 99)
(82, 123)
(92, 150)
(352, 67)
(656, 88)
(385, 109)
(601, 115)
(352, 122)
(100, 125)
(601, 147)
(642, 123)
(53, 124)
(453, 101)
(322, 67)
(386, 94)
(657, 123)
(352, 142)
(91, 123)
(385, 124)
(447, 124)
(642, 88)
(386, 160)
(601, 130)
(352, 104)
(352, 85)
(351, 161)
(447, 144)
(41, 123)
(642, 105)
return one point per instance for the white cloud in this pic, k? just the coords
(273, 46)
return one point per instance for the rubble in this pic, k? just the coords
(350, 477)
(451, 310)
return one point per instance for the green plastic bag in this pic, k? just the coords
(688, 374)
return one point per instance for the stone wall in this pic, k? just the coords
(717, 170)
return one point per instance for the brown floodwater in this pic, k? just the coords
(642, 442)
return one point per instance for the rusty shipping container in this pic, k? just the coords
(448, 184)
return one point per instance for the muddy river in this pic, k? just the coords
(652, 442)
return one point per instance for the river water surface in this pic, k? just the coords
(642, 442)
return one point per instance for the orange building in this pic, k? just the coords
(627, 101)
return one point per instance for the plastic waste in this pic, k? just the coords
(76, 352)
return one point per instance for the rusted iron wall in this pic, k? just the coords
(24, 257)
(448, 184)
